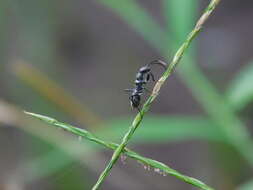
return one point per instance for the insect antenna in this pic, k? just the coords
(159, 62)
(128, 90)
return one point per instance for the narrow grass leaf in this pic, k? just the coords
(240, 91)
(139, 20)
(161, 129)
(246, 186)
(180, 17)
(138, 119)
(152, 163)
(206, 94)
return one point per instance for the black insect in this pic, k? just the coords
(142, 77)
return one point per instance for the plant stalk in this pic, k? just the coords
(158, 166)
(156, 90)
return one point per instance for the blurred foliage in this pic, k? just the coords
(55, 94)
(180, 18)
(139, 20)
(71, 178)
(240, 91)
(162, 129)
(246, 186)
(162, 168)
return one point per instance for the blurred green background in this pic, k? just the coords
(71, 60)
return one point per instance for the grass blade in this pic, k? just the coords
(214, 104)
(246, 186)
(240, 91)
(89, 136)
(139, 20)
(180, 17)
(49, 89)
(179, 54)
(162, 129)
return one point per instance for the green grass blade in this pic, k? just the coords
(176, 59)
(139, 20)
(180, 17)
(246, 186)
(153, 163)
(203, 90)
(240, 91)
(200, 86)
(161, 129)
(214, 104)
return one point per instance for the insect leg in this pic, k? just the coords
(128, 90)
(148, 77)
(152, 76)
(147, 90)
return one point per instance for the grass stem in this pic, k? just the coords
(155, 92)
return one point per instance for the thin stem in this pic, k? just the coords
(131, 154)
(155, 92)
